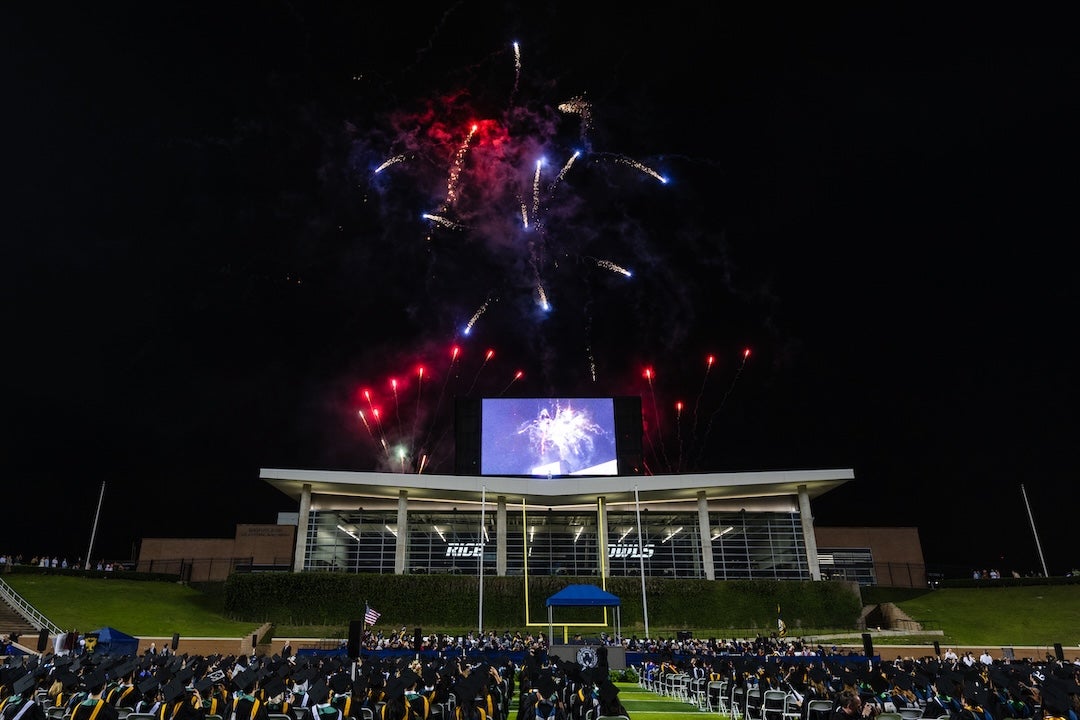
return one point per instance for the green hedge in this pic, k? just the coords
(313, 598)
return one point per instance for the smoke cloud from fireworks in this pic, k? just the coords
(522, 235)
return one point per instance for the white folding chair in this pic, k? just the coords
(773, 704)
(718, 696)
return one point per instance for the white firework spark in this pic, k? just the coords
(608, 265)
(392, 161)
(445, 222)
(638, 166)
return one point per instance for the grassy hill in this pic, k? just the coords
(990, 616)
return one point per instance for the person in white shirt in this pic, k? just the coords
(951, 656)
(986, 658)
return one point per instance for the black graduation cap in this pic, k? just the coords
(125, 668)
(470, 687)
(946, 683)
(23, 684)
(875, 680)
(149, 685)
(318, 693)
(244, 680)
(173, 691)
(395, 688)
(545, 685)
(903, 681)
(95, 681)
(302, 675)
(608, 692)
(339, 683)
(1055, 695)
(976, 693)
(274, 687)
(204, 685)
(185, 675)
(819, 674)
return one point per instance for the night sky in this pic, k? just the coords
(216, 242)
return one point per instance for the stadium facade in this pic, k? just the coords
(715, 526)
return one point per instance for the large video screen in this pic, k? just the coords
(548, 437)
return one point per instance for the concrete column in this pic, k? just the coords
(500, 537)
(706, 535)
(806, 516)
(402, 545)
(300, 551)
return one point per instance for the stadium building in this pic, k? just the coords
(715, 526)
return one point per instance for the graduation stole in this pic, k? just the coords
(97, 707)
(460, 715)
(22, 711)
(382, 710)
(254, 705)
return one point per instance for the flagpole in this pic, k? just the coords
(93, 532)
(483, 506)
(1031, 519)
(641, 561)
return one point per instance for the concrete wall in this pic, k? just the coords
(897, 551)
(211, 559)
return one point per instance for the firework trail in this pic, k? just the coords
(455, 170)
(581, 107)
(517, 72)
(541, 297)
(608, 265)
(562, 173)
(488, 159)
(697, 402)
(630, 162)
(490, 354)
(419, 394)
(445, 222)
(476, 316)
(723, 401)
(397, 403)
(678, 435)
(454, 352)
(392, 161)
(375, 415)
(517, 376)
(536, 189)
(656, 414)
(367, 427)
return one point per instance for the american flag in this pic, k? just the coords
(370, 614)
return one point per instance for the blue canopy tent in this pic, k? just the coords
(584, 596)
(111, 641)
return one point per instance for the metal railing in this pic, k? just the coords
(28, 611)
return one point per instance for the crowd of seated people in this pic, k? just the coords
(474, 678)
(930, 687)
(448, 685)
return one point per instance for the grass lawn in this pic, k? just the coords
(991, 617)
(148, 609)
